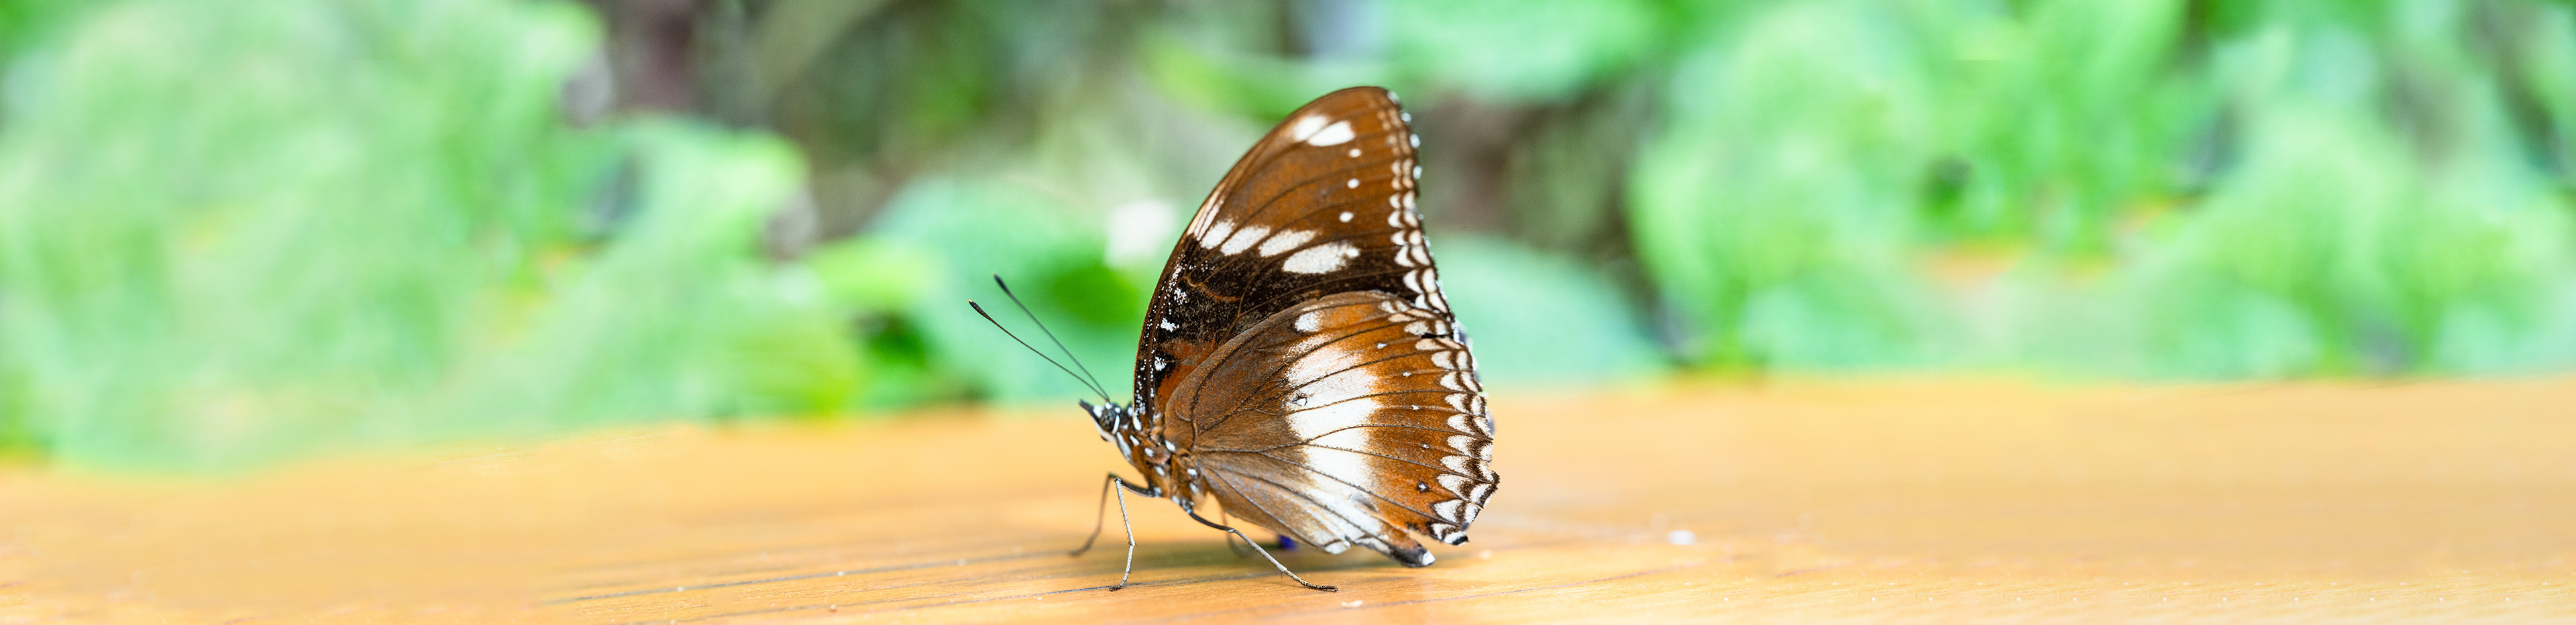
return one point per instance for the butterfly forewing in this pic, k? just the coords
(1322, 204)
(1354, 418)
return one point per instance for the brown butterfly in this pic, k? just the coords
(1298, 363)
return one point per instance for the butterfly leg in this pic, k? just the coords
(1194, 516)
(1229, 538)
(1101, 514)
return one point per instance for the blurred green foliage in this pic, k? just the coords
(1775, 207)
(2339, 243)
(232, 231)
(2192, 189)
(1516, 305)
(335, 222)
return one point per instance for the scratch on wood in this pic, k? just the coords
(790, 578)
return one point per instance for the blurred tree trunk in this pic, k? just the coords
(652, 52)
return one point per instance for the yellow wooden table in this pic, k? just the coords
(1927, 500)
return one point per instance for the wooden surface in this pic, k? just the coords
(2443, 501)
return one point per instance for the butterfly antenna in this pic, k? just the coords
(997, 324)
(988, 318)
(1042, 329)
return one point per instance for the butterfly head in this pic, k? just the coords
(1111, 418)
(1119, 425)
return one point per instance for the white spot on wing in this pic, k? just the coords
(1306, 127)
(1353, 184)
(1455, 483)
(1207, 211)
(1346, 216)
(1329, 457)
(1335, 407)
(1324, 258)
(1243, 239)
(1336, 134)
(1285, 240)
(1216, 234)
(1339, 399)
(1310, 322)
(1316, 130)
(1447, 509)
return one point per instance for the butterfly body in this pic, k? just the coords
(1299, 365)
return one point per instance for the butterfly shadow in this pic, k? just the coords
(1220, 554)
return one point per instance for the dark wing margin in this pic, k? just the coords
(1323, 204)
(1354, 418)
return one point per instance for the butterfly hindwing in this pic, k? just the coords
(1353, 418)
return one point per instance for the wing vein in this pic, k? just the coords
(1310, 501)
(1345, 482)
(1199, 392)
(1350, 369)
(1263, 205)
(1310, 440)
